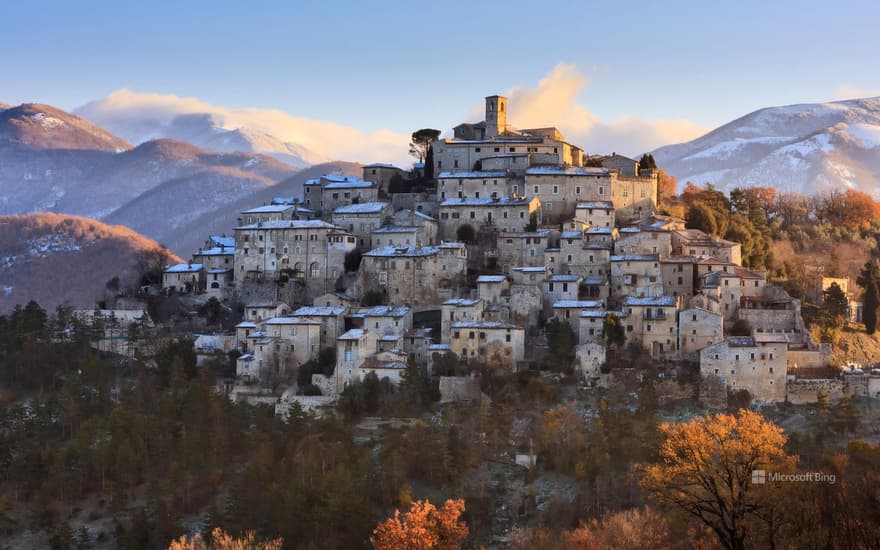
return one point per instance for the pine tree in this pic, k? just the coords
(836, 304)
(868, 279)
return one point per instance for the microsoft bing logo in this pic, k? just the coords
(759, 477)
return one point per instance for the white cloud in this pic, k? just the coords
(554, 102)
(141, 116)
(848, 91)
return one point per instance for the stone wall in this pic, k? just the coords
(803, 391)
(670, 391)
(459, 388)
(713, 392)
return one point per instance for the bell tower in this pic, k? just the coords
(496, 115)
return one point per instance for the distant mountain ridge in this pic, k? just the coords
(804, 148)
(202, 129)
(45, 127)
(53, 258)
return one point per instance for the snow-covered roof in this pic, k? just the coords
(350, 184)
(290, 224)
(216, 251)
(600, 230)
(439, 347)
(475, 174)
(530, 269)
(292, 321)
(491, 278)
(585, 304)
(184, 268)
(354, 334)
(596, 204)
(219, 271)
(462, 302)
(487, 201)
(660, 301)
(268, 209)
(403, 251)
(567, 171)
(246, 324)
(564, 278)
(362, 208)
(222, 241)
(381, 311)
(635, 258)
(599, 313)
(397, 229)
(484, 325)
(539, 234)
(571, 234)
(381, 165)
(319, 311)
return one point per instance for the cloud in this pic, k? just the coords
(847, 91)
(554, 102)
(143, 116)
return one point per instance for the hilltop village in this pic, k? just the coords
(502, 237)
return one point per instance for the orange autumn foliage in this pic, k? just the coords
(423, 527)
(221, 540)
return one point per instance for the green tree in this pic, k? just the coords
(836, 304)
(869, 278)
(740, 328)
(533, 222)
(421, 142)
(612, 329)
(561, 341)
(212, 311)
(701, 216)
(846, 416)
(647, 162)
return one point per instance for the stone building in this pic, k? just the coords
(589, 358)
(383, 320)
(697, 329)
(260, 311)
(595, 213)
(634, 240)
(561, 188)
(182, 278)
(382, 175)
(493, 288)
(459, 309)
(521, 248)
(297, 340)
(569, 311)
(505, 213)
(414, 276)
(310, 251)
(496, 343)
(693, 242)
(483, 184)
(349, 190)
(352, 348)
(746, 363)
(637, 275)
(361, 219)
(651, 322)
(331, 318)
(624, 166)
(678, 275)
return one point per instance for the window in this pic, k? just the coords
(507, 339)
(536, 189)
(601, 190)
(577, 190)
(555, 189)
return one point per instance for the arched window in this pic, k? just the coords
(314, 270)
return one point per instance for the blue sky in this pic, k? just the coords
(402, 65)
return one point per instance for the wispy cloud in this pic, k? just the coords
(848, 91)
(142, 116)
(555, 102)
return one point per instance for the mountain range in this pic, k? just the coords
(805, 148)
(51, 160)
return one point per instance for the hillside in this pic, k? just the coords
(45, 127)
(804, 148)
(856, 346)
(55, 258)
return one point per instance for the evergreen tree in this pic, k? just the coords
(869, 278)
(836, 304)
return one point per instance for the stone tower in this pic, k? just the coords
(496, 115)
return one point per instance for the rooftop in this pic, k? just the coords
(484, 325)
(292, 321)
(564, 278)
(268, 209)
(491, 278)
(403, 251)
(461, 302)
(381, 311)
(184, 268)
(596, 204)
(488, 201)
(586, 304)
(319, 311)
(362, 208)
(636, 258)
(650, 301)
(397, 229)
(290, 224)
(568, 171)
(354, 334)
(475, 174)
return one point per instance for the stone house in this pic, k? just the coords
(595, 213)
(345, 191)
(414, 276)
(398, 235)
(693, 242)
(591, 324)
(651, 322)
(183, 278)
(530, 275)
(561, 188)
(416, 343)
(498, 344)
(382, 175)
(493, 288)
(601, 235)
(459, 309)
(633, 240)
(505, 213)
(624, 166)
(476, 185)
(633, 198)
(352, 348)
(744, 363)
(297, 340)
(561, 287)
(361, 219)
(698, 329)
(637, 275)
(216, 257)
(385, 364)
(589, 358)
(678, 275)
(569, 311)
(311, 251)
(521, 248)
(331, 318)
(383, 320)
(415, 218)
(260, 311)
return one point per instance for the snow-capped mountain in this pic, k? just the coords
(204, 130)
(45, 127)
(804, 148)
